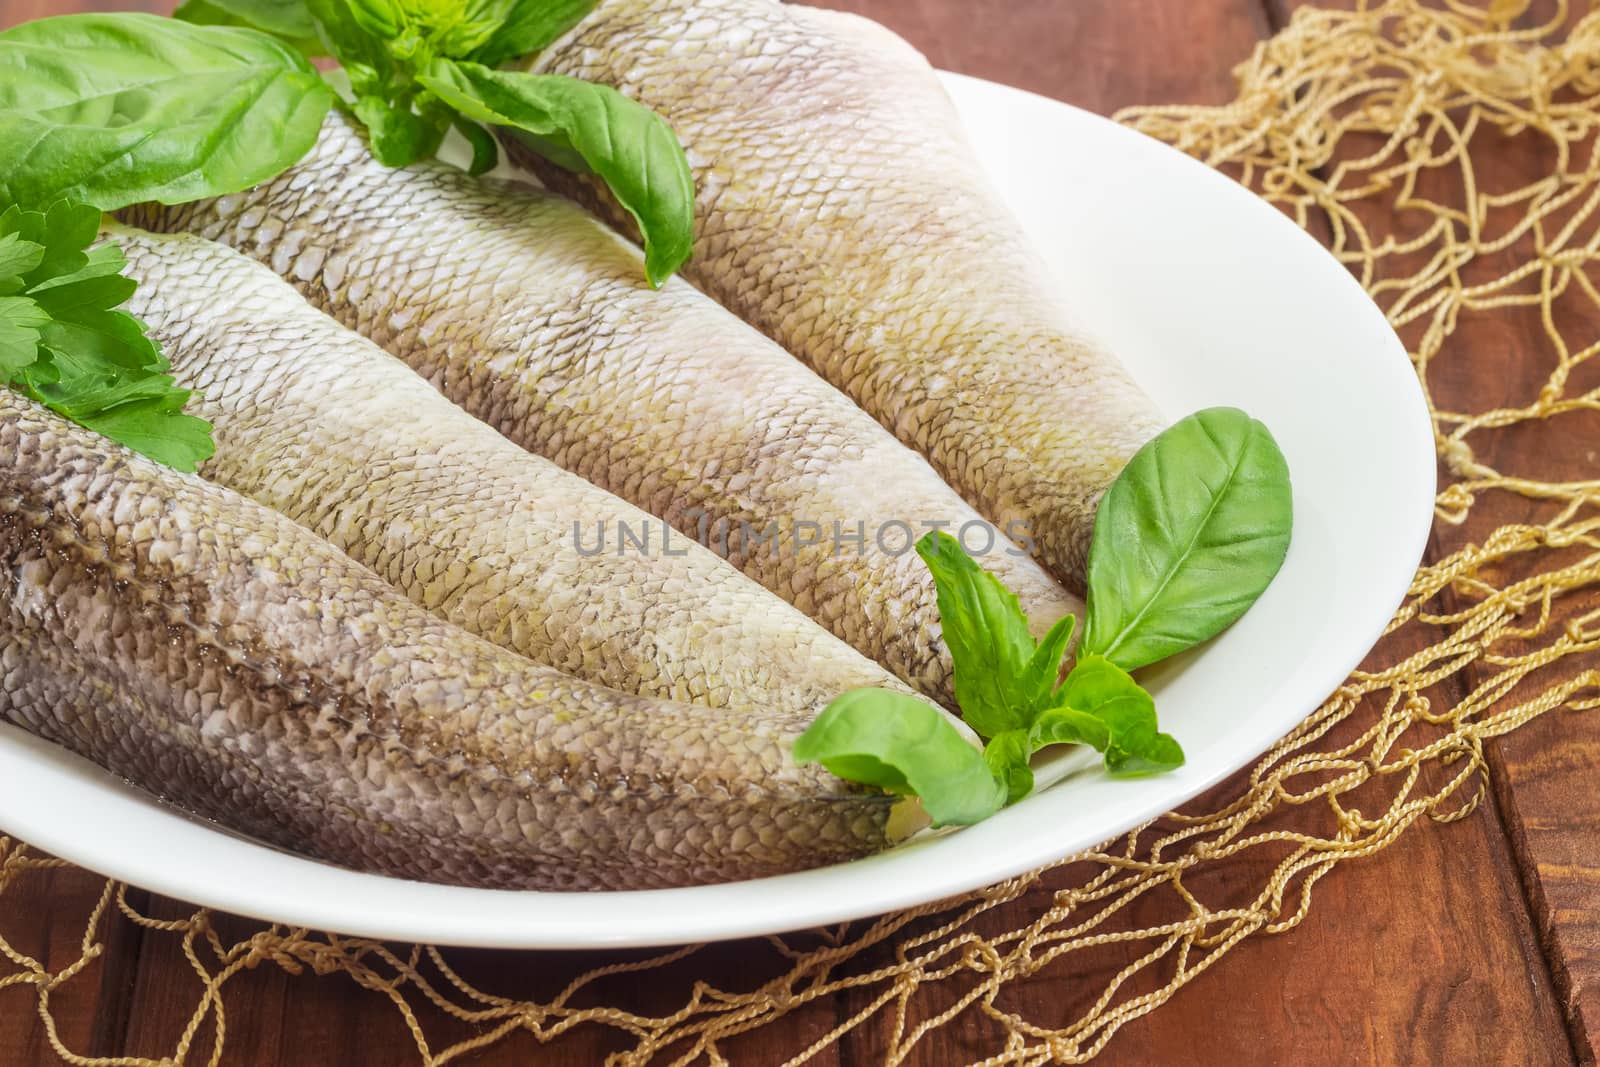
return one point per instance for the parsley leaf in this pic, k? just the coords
(17, 257)
(20, 323)
(64, 343)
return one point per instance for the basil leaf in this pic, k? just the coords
(1134, 746)
(288, 19)
(899, 743)
(476, 25)
(629, 146)
(397, 135)
(363, 57)
(1187, 538)
(1068, 726)
(485, 149)
(1043, 671)
(1007, 757)
(382, 19)
(988, 637)
(530, 28)
(1161, 754)
(117, 109)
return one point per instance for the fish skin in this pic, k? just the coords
(320, 424)
(536, 318)
(841, 210)
(213, 652)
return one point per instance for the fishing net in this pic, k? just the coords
(1447, 154)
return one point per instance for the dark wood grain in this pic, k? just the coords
(1100, 54)
(1367, 978)
(44, 918)
(1544, 774)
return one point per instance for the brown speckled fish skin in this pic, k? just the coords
(842, 211)
(213, 652)
(320, 424)
(536, 318)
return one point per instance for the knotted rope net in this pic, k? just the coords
(1395, 133)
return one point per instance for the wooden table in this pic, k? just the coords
(1499, 963)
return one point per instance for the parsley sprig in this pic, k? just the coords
(64, 343)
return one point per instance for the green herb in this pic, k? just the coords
(984, 625)
(568, 121)
(1008, 688)
(63, 343)
(103, 111)
(419, 68)
(530, 28)
(287, 19)
(1186, 539)
(904, 746)
(112, 110)
(1208, 505)
(1107, 694)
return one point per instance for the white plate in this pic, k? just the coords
(1212, 298)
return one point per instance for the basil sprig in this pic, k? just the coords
(1187, 538)
(112, 110)
(419, 68)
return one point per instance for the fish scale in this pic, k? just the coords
(320, 424)
(222, 657)
(535, 318)
(841, 210)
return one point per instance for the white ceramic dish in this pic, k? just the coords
(1212, 298)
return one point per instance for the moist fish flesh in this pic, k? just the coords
(536, 318)
(213, 652)
(320, 424)
(842, 211)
